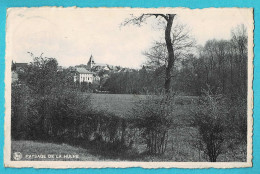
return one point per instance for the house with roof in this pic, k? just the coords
(83, 75)
(19, 67)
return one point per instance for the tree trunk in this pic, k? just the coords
(171, 57)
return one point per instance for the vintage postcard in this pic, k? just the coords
(128, 87)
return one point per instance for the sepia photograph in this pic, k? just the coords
(128, 87)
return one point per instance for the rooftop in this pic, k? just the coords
(21, 64)
(83, 71)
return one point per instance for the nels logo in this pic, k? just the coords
(17, 156)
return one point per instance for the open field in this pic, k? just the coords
(119, 104)
(122, 104)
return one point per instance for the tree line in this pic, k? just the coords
(221, 64)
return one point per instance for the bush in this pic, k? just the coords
(238, 114)
(212, 121)
(24, 113)
(153, 118)
(45, 104)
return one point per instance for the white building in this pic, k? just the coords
(83, 75)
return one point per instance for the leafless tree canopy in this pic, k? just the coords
(168, 41)
(139, 20)
(183, 45)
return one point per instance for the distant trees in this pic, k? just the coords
(240, 47)
(222, 64)
(143, 81)
(135, 82)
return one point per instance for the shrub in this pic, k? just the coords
(24, 113)
(238, 114)
(153, 118)
(212, 121)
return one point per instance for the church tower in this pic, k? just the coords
(91, 62)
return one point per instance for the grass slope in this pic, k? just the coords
(60, 151)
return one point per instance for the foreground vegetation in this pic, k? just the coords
(182, 141)
(97, 134)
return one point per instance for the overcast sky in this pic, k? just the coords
(71, 35)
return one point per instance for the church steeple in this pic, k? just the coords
(91, 62)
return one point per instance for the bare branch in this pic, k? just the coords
(138, 20)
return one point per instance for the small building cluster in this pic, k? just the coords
(91, 73)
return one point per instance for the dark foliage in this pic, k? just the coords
(47, 106)
(154, 118)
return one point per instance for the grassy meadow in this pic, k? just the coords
(122, 104)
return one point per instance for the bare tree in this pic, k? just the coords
(240, 43)
(182, 43)
(168, 18)
(156, 55)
